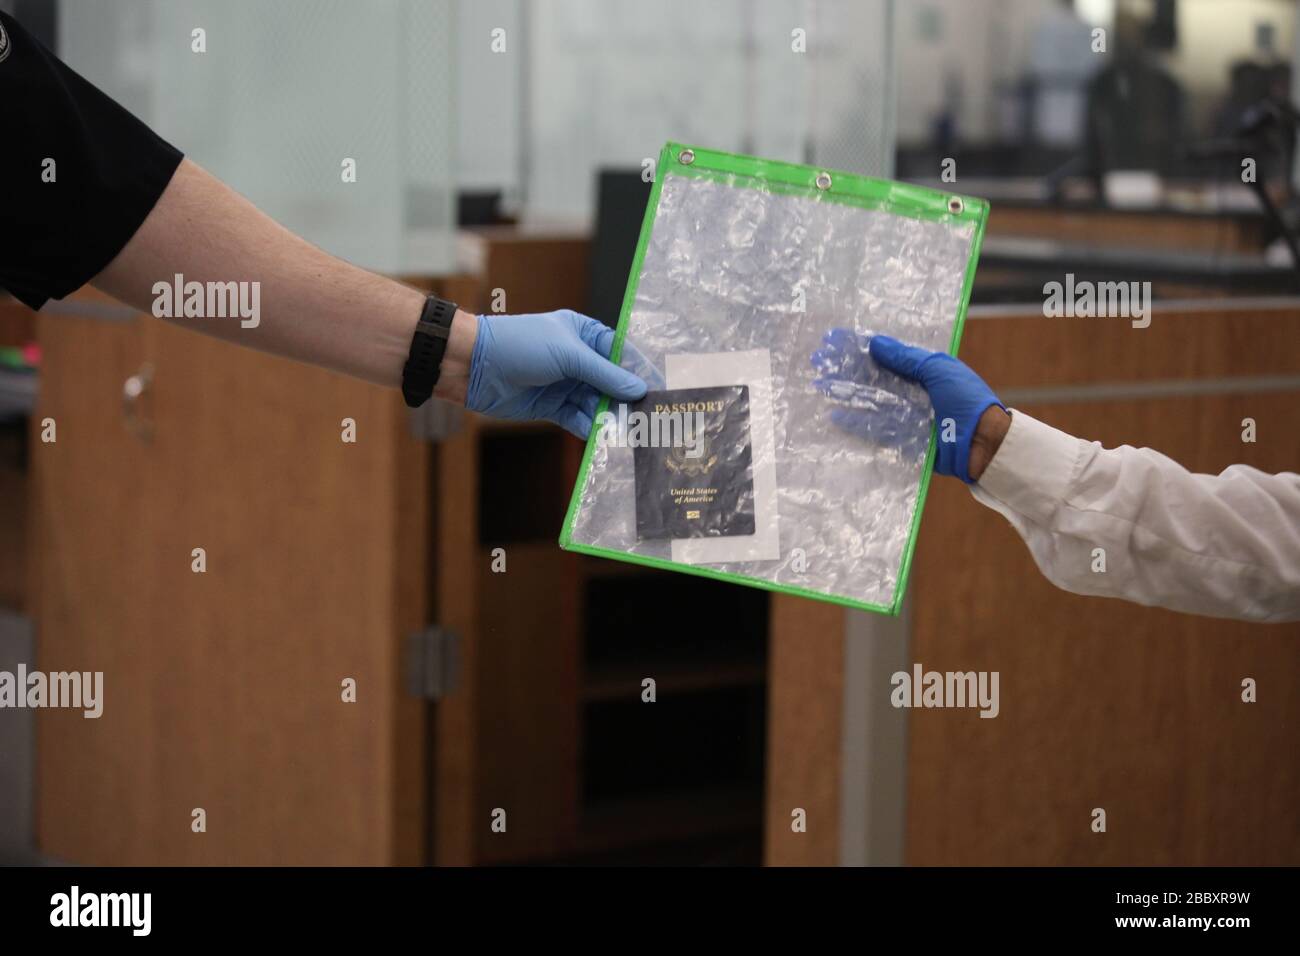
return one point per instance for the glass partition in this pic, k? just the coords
(284, 100)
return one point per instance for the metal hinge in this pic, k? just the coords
(432, 663)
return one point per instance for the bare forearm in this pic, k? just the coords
(311, 306)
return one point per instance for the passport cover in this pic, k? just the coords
(684, 495)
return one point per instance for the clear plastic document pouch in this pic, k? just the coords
(731, 467)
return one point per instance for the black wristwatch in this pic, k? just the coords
(428, 346)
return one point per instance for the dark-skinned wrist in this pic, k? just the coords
(989, 434)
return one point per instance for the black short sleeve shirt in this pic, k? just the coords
(78, 173)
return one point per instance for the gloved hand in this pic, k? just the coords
(551, 366)
(959, 397)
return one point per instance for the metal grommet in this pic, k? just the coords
(956, 205)
(823, 181)
(686, 157)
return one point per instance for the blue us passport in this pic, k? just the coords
(692, 459)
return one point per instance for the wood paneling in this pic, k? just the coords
(529, 718)
(536, 271)
(456, 607)
(1103, 704)
(17, 322)
(17, 328)
(13, 524)
(1026, 351)
(805, 704)
(97, 780)
(507, 735)
(1106, 704)
(223, 689)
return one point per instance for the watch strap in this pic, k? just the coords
(428, 346)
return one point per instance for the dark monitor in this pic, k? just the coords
(1162, 31)
(621, 198)
(479, 207)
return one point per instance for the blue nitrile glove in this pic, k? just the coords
(552, 366)
(959, 396)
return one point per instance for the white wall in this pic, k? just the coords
(1213, 34)
(488, 94)
(612, 80)
(586, 84)
(981, 42)
(283, 94)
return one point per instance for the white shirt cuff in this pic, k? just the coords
(1033, 468)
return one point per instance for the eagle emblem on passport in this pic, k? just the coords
(692, 462)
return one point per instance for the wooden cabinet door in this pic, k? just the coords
(224, 688)
(90, 597)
